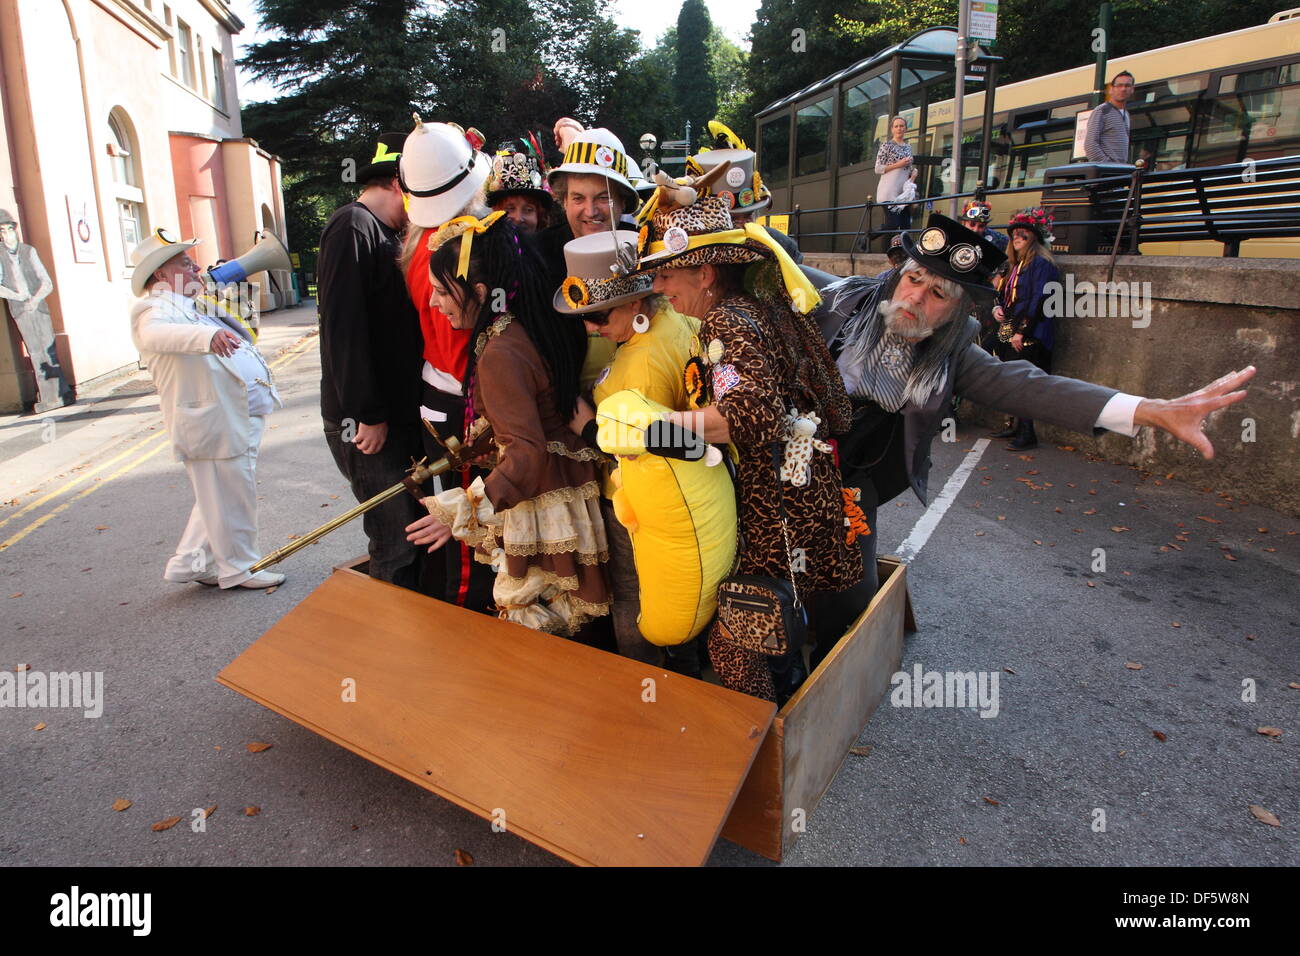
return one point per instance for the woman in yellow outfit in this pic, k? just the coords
(654, 345)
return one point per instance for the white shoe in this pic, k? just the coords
(263, 579)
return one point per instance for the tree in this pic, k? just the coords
(694, 82)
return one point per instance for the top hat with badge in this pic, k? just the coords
(947, 248)
(519, 169)
(742, 186)
(601, 274)
(598, 152)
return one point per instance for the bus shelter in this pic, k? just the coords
(817, 146)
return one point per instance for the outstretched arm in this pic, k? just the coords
(1183, 417)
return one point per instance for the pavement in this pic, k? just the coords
(1141, 631)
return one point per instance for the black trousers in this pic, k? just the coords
(392, 557)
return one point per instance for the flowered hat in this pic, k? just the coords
(603, 273)
(518, 169)
(1037, 219)
(684, 224)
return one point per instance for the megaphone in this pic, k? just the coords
(269, 253)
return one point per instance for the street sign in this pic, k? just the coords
(983, 19)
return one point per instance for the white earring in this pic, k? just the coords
(641, 323)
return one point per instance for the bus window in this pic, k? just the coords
(774, 150)
(1036, 146)
(812, 139)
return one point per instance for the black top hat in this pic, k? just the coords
(384, 161)
(947, 248)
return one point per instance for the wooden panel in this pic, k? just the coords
(823, 720)
(755, 820)
(492, 715)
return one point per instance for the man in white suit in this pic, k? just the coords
(215, 390)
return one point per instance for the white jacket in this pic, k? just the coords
(204, 400)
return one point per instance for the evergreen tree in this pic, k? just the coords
(694, 82)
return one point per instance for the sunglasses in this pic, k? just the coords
(596, 318)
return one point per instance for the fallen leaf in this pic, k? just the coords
(1092, 491)
(1263, 816)
(1092, 584)
(1170, 475)
(1009, 670)
(23, 667)
(463, 858)
(164, 824)
(1058, 511)
(40, 726)
(961, 840)
(1269, 731)
(1123, 752)
(1262, 530)
(1132, 666)
(1270, 549)
(256, 747)
(335, 497)
(979, 534)
(1230, 556)
(1037, 541)
(1250, 637)
(1176, 547)
(272, 589)
(16, 594)
(1025, 457)
(120, 804)
(1210, 520)
(1175, 624)
(859, 751)
(325, 504)
(1065, 447)
(1128, 574)
(1165, 548)
(1159, 736)
(101, 527)
(1032, 471)
(294, 536)
(1118, 528)
(252, 811)
(1002, 517)
(1294, 686)
(991, 802)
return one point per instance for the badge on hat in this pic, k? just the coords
(735, 177)
(604, 157)
(676, 240)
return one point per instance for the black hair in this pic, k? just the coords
(379, 179)
(1124, 73)
(503, 259)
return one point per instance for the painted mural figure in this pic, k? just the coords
(25, 284)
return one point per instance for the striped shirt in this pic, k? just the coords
(885, 373)
(1107, 137)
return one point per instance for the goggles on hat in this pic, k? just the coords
(962, 256)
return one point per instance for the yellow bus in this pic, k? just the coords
(1208, 102)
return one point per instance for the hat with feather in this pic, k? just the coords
(519, 169)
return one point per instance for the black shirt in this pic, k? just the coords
(370, 341)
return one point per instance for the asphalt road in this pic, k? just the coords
(1005, 585)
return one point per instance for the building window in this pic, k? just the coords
(774, 150)
(171, 40)
(812, 139)
(185, 53)
(218, 81)
(126, 182)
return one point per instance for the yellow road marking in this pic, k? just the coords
(72, 483)
(14, 539)
(294, 353)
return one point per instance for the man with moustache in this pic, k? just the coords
(904, 345)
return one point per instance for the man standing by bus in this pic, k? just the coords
(1108, 127)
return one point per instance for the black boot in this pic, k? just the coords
(1009, 430)
(1025, 436)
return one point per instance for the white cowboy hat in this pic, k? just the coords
(441, 171)
(598, 152)
(150, 254)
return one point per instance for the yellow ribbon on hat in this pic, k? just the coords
(803, 295)
(467, 227)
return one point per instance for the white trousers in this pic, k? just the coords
(221, 537)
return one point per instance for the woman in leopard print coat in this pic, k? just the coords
(764, 377)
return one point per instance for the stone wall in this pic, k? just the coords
(1208, 316)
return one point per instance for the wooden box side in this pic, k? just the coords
(756, 816)
(823, 720)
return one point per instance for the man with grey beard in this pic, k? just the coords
(903, 345)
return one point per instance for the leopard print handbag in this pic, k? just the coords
(760, 613)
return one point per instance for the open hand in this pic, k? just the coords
(1183, 417)
(428, 530)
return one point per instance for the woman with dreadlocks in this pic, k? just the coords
(536, 517)
(767, 385)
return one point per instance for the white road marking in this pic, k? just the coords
(921, 531)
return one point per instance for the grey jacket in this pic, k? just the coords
(1016, 388)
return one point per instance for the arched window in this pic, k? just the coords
(128, 197)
